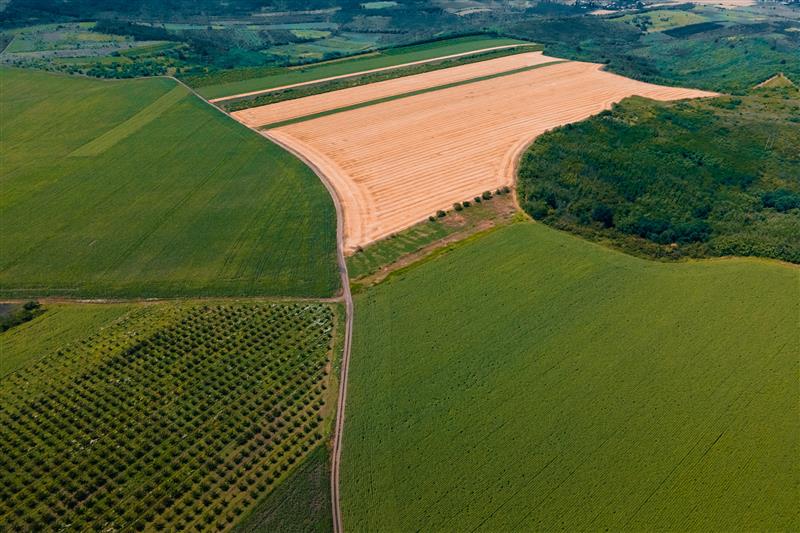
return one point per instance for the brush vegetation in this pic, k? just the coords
(697, 178)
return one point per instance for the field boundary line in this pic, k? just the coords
(361, 73)
(338, 427)
(409, 94)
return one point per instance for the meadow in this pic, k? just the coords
(212, 86)
(530, 381)
(139, 189)
(165, 416)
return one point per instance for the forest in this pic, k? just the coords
(701, 178)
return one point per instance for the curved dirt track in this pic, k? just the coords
(393, 164)
(338, 427)
(309, 105)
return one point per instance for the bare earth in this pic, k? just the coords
(394, 164)
(309, 105)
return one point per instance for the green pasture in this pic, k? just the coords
(386, 58)
(139, 189)
(531, 381)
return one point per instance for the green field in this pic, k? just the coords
(139, 189)
(531, 381)
(160, 416)
(301, 504)
(395, 56)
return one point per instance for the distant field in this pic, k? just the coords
(139, 189)
(531, 381)
(161, 417)
(431, 150)
(395, 56)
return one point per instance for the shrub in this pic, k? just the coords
(486, 195)
(457, 206)
(467, 203)
(477, 199)
(440, 213)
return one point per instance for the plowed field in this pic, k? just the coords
(298, 107)
(395, 163)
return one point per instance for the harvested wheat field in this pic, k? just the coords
(393, 164)
(309, 105)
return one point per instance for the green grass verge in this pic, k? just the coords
(408, 94)
(301, 504)
(161, 416)
(396, 56)
(170, 197)
(532, 381)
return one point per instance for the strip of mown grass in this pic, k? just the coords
(128, 189)
(162, 417)
(215, 86)
(355, 81)
(532, 381)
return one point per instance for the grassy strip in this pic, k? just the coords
(376, 258)
(405, 95)
(141, 119)
(365, 79)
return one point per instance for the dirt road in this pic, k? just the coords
(338, 427)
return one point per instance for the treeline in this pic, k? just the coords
(694, 178)
(16, 315)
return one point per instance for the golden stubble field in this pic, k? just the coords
(309, 105)
(393, 164)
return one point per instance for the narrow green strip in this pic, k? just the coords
(406, 95)
(132, 125)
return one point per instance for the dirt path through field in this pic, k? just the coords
(395, 163)
(341, 76)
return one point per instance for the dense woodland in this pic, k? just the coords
(698, 178)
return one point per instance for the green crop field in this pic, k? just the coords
(209, 87)
(301, 504)
(164, 416)
(532, 381)
(138, 188)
